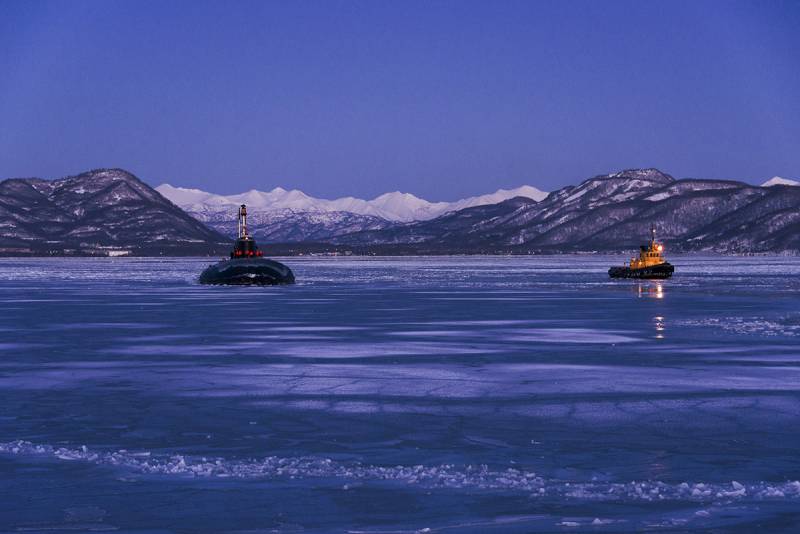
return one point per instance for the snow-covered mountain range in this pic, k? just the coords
(281, 215)
(777, 180)
(612, 212)
(111, 211)
(395, 207)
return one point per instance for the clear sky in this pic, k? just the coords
(441, 99)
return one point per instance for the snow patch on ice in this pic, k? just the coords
(435, 476)
(786, 326)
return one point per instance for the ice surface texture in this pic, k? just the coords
(461, 394)
(439, 476)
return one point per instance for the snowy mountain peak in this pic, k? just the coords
(395, 206)
(96, 211)
(777, 180)
(651, 174)
(182, 196)
(499, 196)
(398, 195)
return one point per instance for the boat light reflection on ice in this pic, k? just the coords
(653, 291)
(658, 320)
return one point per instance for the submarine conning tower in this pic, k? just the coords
(245, 246)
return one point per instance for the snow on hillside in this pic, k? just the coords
(777, 180)
(499, 196)
(395, 206)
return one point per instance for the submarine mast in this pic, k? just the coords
(242, 221)
(245, 246)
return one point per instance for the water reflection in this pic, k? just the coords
(659, 323)
(654, 290)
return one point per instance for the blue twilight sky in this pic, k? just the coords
(441, 99)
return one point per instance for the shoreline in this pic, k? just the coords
(283, 254)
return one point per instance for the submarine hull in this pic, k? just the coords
(659, 272)
(247, 272)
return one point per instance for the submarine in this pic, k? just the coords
(650, 263)
(247, 264)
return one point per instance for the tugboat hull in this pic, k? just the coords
(247, 271)
(660, 271)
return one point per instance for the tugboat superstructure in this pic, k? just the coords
(246, 265)
(649, 264)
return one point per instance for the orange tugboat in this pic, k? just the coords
(649, 264)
